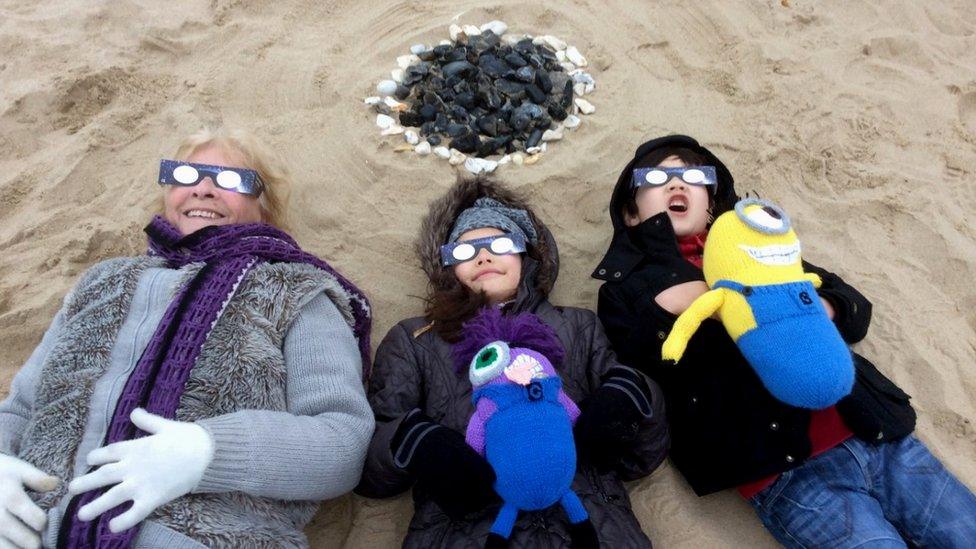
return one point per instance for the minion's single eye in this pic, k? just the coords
(488, 363)
(763, 216)
(486, 358)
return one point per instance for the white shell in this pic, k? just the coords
(405, 61)
(496, 26)
(386, 87)
(442, 152)
(397, 75)
(552, 135)
(418, 49)
(392, 130)
(505, 160)
(585, 106)
(561, 56)
(511, 39)
(582, 77)
(567, 66)
(575, 56)
(534, 150)
(457, 157)
(454, 31)
(422, 148)
(384, 121)
(372, 100)
(471, 30)
(551, 41)
(410, 136)
(518, 159)
(477, 165)
(394, 104)
(579, 89)
(572, 121)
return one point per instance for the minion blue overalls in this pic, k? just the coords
(529, 443)
(795, 348)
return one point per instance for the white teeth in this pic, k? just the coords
(775, 254)
(202, 213)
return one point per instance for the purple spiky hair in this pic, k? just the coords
(521, 330)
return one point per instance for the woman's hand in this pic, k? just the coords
(150, 471)
(21, 520)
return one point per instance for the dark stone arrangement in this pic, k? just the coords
(486, 97)
(482, 94)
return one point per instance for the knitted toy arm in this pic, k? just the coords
(475, 436)
(688, 323)
(814, 279)
(571, 408)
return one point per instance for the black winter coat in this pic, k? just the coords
(414, 369)
(726, 428)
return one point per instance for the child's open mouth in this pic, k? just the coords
(678, 204)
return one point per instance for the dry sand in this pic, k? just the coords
(858, 117)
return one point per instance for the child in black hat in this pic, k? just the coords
(838, 477)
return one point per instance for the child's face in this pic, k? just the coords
(497, 275)
(686, 205)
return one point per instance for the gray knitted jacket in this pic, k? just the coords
(277, 385)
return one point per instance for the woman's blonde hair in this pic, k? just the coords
(256, 156)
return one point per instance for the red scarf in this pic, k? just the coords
(692, 247)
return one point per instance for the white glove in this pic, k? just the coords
(151, 471)
(21, 520)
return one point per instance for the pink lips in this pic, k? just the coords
(487, 272)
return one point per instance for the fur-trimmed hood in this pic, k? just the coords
(538, 277)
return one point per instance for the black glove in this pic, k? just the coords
(610, 418)
(458, 479)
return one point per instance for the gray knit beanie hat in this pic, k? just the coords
(488, 212)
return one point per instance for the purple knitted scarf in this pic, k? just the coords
(158, 380)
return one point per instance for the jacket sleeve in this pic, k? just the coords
(636, 327)
(852, 311)
(15, 410)
(315, 449)
(394, 390)
(651, 444)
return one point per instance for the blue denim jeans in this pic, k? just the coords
(895, 494)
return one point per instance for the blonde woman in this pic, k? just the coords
(207, 393)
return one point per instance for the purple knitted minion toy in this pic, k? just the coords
(523, 420)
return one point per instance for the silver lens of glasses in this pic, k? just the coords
(656, 177)
(228, 179)
(463, 252)
(185, 174)
(693, 176)
(502, 245)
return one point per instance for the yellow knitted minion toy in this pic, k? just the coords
(769, 306)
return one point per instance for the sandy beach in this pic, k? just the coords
(858, 117)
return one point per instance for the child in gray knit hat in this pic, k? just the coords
(481, 246)
(488, 212)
